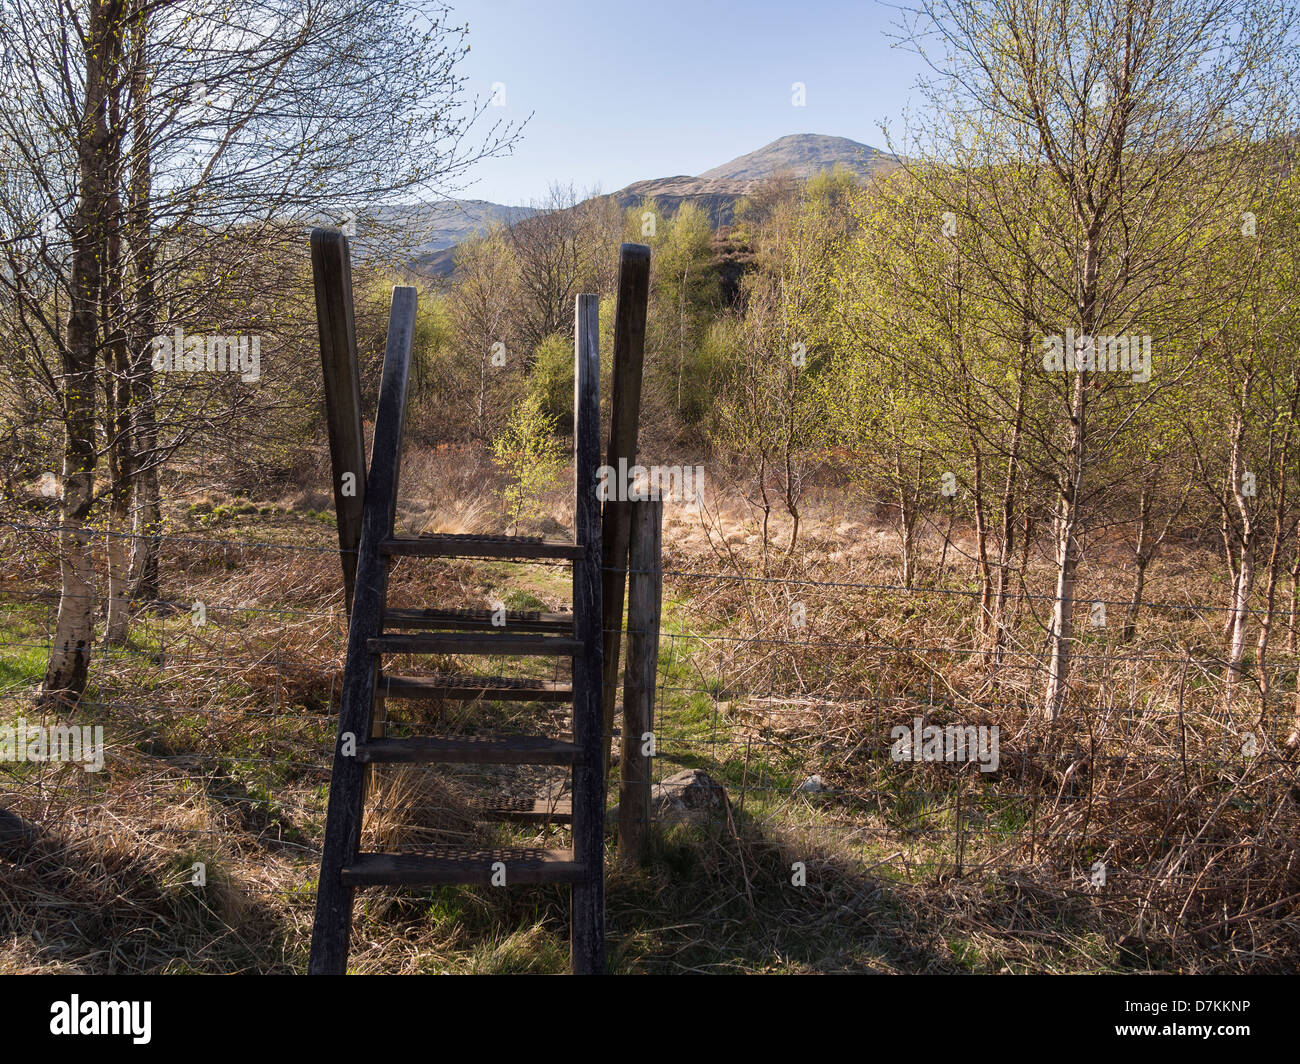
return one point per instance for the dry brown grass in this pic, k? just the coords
(220, 741)
(1146, 775)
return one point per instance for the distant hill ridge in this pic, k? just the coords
(716, 191)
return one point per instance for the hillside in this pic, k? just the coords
(439, 227)
(716, 191)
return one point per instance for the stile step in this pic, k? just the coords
(449, 864)
(476, 546)
(474, 643)
(477, 750)
(529, 810)
(465, 687)
(515, 620)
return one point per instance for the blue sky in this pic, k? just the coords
(624, 91)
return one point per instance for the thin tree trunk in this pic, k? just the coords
(981, 544)
(681, 337)
(1026, 544)
(67, 670)
(147, 525)
(791, 488)
(1007, 545)
(1135, 600)
(906, 523)
(1070, 494)
(947, 542)
(1266, 618)
(1295, 600)
(1275, 557)
(1230, 560)
(1008, 500)
(121, 458)
(1139, 567)
(480, 401)
(1240, 616)
(1067, 560)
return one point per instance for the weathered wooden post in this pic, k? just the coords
(331, 267)
(625, 412)
(587, 904)
(645, 591)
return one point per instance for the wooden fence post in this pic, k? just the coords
(625, 411)
(645, 591)
(331, 268)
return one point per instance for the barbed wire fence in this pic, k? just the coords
(1165, 793)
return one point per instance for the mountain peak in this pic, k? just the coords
(799, 155)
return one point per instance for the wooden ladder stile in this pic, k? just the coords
(375, 630)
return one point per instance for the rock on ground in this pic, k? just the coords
(689, 794)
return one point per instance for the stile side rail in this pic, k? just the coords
(587, 915)
(333, 921)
